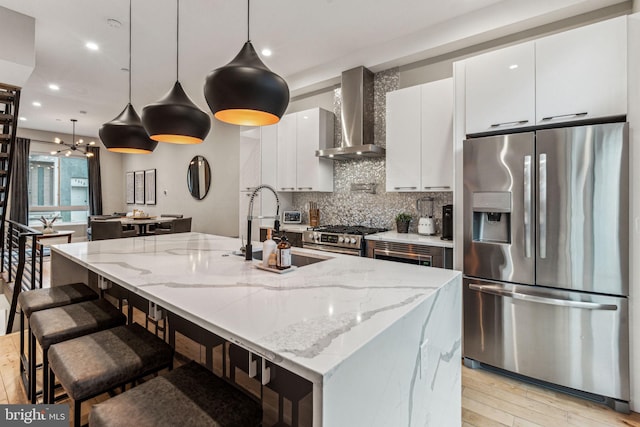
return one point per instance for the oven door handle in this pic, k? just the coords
(404, 255)
(330, 249)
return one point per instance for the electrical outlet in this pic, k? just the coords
(424, 358)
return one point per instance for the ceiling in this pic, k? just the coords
(312, 42)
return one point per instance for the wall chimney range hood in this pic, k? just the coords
(357, 118)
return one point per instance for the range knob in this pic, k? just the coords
(316, 237)
(340, 239)
(353, 240)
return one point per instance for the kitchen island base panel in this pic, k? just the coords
(409, 375)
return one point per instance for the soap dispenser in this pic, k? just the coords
(268, 247)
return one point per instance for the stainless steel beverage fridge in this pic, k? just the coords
(546, 257)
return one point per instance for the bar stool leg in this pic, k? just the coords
(77, 413)
(32, 366)
(24, 359)
(45, 376)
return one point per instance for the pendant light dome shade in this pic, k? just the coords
(245, 92)
(125, 134)
(176, 119)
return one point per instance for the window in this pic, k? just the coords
(58, 186)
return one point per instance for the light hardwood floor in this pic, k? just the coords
(488, 399)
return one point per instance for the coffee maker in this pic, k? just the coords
(447, 222)
(426, 223)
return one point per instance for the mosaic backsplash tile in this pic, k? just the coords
(359, 207)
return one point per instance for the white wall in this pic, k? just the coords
(217, 213)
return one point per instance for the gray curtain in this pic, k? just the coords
(95, 182)
(19, 182)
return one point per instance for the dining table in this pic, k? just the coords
(142, 223)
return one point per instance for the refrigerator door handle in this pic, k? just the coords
(527, 206)
(542, 188)
(496, 290)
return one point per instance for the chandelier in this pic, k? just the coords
(79, 145)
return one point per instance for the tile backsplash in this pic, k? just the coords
(348, 205)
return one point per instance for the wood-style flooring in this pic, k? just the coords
(488, 399)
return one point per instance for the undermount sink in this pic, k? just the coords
(297, 259)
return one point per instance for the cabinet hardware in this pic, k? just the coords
(403, 188)
(515, 122)
(565, 115)
(305, 188)
(436, 187)
(287, 188)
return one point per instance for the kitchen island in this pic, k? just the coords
(379, 340)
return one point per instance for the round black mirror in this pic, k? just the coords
(199, 177)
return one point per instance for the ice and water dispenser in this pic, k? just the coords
(492, 217)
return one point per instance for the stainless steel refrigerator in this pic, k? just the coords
(546, 257)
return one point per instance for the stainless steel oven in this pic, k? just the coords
(338, 239)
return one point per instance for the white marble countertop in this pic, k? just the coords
(416, 239)
(311, 319)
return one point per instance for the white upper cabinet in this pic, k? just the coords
(269, 154)
(299, 136)
(582, 73)
(287, 142)
(500, 89)
(420, 137)
(574, 75)
(404, 129)
(250, 161)
(437, 136)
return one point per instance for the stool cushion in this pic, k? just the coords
(70, 321)
(189, 396)
(42, 299)
(95, 363)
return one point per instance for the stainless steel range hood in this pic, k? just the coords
(357, 118)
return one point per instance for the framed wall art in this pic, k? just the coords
(139, 187)
(150, 187)
(130, 188)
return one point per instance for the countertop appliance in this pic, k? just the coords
(344, 239)
(447, 222)
(426, 223)
(546, 261)
(292, 217)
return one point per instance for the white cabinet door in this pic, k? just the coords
(581, 73)
(437, 136)
(250, 160)
(269, 155)
(403, 139)
(500, 89)
(307, 162)
(286, 171)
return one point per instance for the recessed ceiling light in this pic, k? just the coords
(513, 67)
(92, 46)
(54, 86)
(36, 104)
(23, 119)
(266, 52)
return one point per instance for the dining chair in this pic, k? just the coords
(178, 225)
(164, 225)
(102, 230)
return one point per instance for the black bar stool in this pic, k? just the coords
(189, 395)
(96, 363)
(70, 321)
(43, 299)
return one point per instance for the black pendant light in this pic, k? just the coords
(175, 118)
(245, 91)
(125, 133)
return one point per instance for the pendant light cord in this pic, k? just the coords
(177, 38)
(248, 24)
(129, 51)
